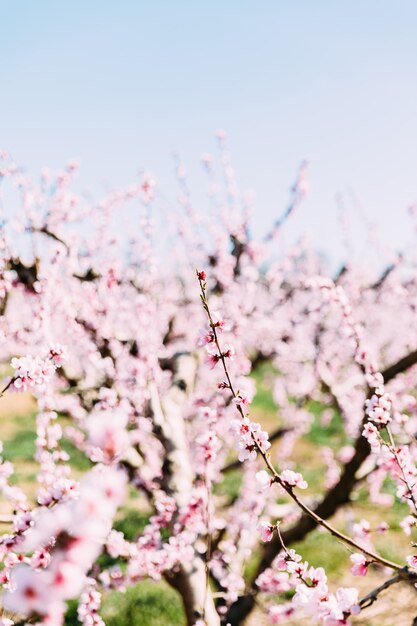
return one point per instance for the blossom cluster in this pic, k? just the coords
(48, 561)
(31, 371)
(312, 597)
(249, 439)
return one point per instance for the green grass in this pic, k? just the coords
(264, 406)
(21, 445)
(332, 435)
(78, 460)
(131, 522)
(146, 604)
(322, 550)
(263, 402)
(230, 485)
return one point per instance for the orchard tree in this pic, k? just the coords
(147, 366)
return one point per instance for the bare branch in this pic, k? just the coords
(372, 596)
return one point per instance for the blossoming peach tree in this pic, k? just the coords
(146, 366)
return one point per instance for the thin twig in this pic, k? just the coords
(372, 596)
(393, 449)
(9, 384)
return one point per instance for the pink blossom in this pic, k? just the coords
(382, 528)
(370, 432)
(57, 354)
(347, 598)
(107, 431)
(317, 575)
(293, 479)
(212, 357)
(31, 371)
(266, 531)
(228, 351)
(40, 559)
(206, 337)
(247, 452)
(218, 321)
(66, 578)
(362, 529)
(378, 409)
(412, 561)
(408, 523)
(241, 399)
(360, 565)
(298, 568)
(28, 591)
(263, 479)
(279, 613)
(283, 558)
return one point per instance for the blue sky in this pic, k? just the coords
(121, 84)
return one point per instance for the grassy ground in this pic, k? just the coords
(156, 604)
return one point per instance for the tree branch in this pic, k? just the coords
(372, 596)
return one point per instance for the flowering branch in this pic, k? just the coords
(276, 478)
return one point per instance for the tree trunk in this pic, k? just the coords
(190, 580)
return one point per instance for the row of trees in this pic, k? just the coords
(146, 367)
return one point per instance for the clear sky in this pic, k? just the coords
(120, 84)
